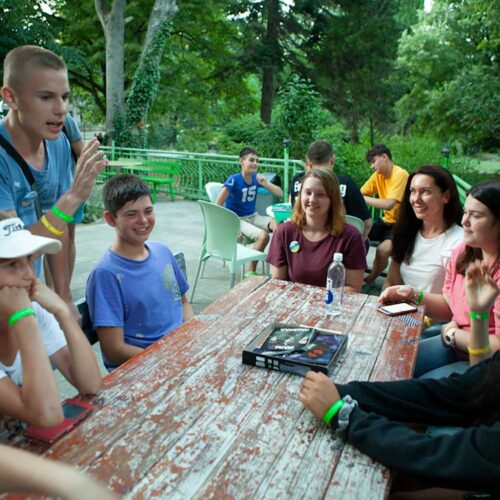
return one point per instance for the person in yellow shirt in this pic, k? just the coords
(388, 182)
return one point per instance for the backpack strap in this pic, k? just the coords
(73, 155)
(12, 152)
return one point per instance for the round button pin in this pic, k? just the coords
(294, 246)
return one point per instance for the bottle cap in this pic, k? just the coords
(337, 257)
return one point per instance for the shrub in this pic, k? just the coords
(94, 207)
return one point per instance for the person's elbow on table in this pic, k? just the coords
(279, 273)
(187, 309)
(354, 280)
(113, 345)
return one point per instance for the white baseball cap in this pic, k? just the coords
(15, 241)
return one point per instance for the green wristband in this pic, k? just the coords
(475, 315)
(420, 297)
(60, 214)
(22, 313)
(334, 409)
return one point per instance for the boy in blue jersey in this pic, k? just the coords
(240, 193)
(137, 292)
(36, 89)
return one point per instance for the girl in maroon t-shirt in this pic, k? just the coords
(302, 249)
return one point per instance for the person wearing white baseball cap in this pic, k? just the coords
(37, 329)
(16, 241)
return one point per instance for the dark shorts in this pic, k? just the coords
(380, 231)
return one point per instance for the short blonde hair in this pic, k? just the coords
(26, 58)
(336, 218)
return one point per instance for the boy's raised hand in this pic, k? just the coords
(261, 180)
(12, 299)
(88, 167)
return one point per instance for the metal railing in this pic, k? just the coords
(199, 168)
(196, 169)
(462, 187)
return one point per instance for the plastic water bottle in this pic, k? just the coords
(335, 280)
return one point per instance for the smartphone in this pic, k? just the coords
(395, 309)
(74, 411)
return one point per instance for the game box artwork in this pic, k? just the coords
(295, 348)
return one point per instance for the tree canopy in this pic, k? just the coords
(201, 70)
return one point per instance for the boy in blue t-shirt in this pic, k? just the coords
(137, 292)
(240, 193)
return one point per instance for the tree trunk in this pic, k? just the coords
(147, 76)
(162, 9)
(354, 130)
(113, 24)
(267, 94)
(272, 57)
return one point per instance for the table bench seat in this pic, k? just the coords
(157, 173)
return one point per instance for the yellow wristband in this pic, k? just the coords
(50, 227)
(478, 352)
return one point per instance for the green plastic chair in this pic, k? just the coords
(222, 228)
(356, 222)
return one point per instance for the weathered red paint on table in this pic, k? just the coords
(186, 419)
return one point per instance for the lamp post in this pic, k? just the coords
(286, 148)
(445, 153)
(112, 135)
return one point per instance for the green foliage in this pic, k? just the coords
(194, 139)
(447, 79)
(450, 65)
(350, 51)
(94, 207)
(143, 91)
(245, 129)
(25, 23)
(297, 115)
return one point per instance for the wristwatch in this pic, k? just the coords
(449, 337)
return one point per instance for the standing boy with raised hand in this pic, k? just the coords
(137, 292)
(72, 133)
(37, 329)
(320, 155)
(36, 89)
(388, 182)
(240, 191)
(75, 139)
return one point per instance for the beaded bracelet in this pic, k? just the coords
(332, 411)
(476, 315)
(61, 215)
(479, 352)
(50, 227)
(420, 297)
(22, 313)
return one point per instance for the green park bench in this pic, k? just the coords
(157, 173)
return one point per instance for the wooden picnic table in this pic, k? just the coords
(186, 419)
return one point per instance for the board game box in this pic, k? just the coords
(295, 348)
